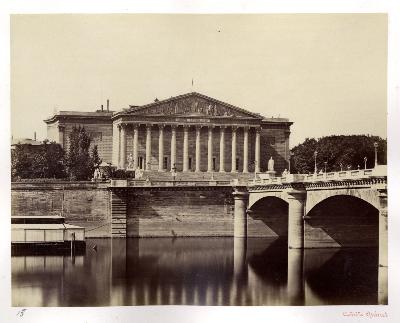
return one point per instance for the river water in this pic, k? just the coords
(198, 271)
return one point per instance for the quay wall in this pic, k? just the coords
(150, 212)
(85, 204)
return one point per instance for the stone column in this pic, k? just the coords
(123, 145)
(185, 148)
(198, 130)
(210, 149)
(257, 152)
(240, 214)
(233, 170)
(245, 150)
(160, 147)
(173, 146)
(119, 146)
(222, 149)
(61, 135)
(148, 147)
(383, 228)
(135, 145)
(297, 198)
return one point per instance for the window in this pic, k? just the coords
(140, 162)
(165, 165)
(190, 163)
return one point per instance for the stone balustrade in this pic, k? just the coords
(379, 171)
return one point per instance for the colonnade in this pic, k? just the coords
(122, 156)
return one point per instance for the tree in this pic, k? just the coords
(21, 163)
(39, 161)
(79, 162)
(96, 161)
(54, 156)
(339, 152)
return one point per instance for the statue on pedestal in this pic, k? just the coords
(130, 161)
(271, 164)
(96, 174)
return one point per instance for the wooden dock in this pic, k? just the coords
(45, 232)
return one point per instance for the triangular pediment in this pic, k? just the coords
(192, 104)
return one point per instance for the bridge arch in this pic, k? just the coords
(342, 220)
(268, 217)
(368, 195)
(258, 196)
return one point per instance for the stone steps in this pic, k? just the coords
(118, 217)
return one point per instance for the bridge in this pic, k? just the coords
(314, 205)
(305, 195)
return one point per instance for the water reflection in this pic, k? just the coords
(198, 271)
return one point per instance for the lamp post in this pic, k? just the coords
(341, 167)
(365, 162)
(376, 153)
(315, 161)
(290, 161)
(325, 162)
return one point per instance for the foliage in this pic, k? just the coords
(95, 156)
(339, 152)
(41, 161)
(80, 163)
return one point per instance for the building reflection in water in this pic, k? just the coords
(198, 271)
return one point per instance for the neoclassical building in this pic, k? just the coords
(186, 133)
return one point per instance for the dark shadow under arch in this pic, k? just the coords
(342, 221)
(273, 213)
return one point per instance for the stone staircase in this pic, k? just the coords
(118, 218)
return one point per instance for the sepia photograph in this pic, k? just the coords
(200, 160)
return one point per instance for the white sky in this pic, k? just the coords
(325, 72)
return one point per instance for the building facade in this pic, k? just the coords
(186, 133)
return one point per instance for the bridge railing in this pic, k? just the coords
(167, 183)
(379, 171)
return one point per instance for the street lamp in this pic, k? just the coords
(325, 162)
(365, 162)
(290, 160)
(376, 153)
(315, 161)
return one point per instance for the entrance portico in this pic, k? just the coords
(195, 133)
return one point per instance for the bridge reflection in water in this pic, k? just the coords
(199, 271)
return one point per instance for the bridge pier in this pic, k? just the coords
(297, 198)
(240, 213)
(383, 228)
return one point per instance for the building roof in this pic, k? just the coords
(25, 141)
(133, 109)
(198, 104)
(79, 114)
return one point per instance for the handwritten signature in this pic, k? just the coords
(367, 314)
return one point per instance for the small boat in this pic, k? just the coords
(45, 232)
